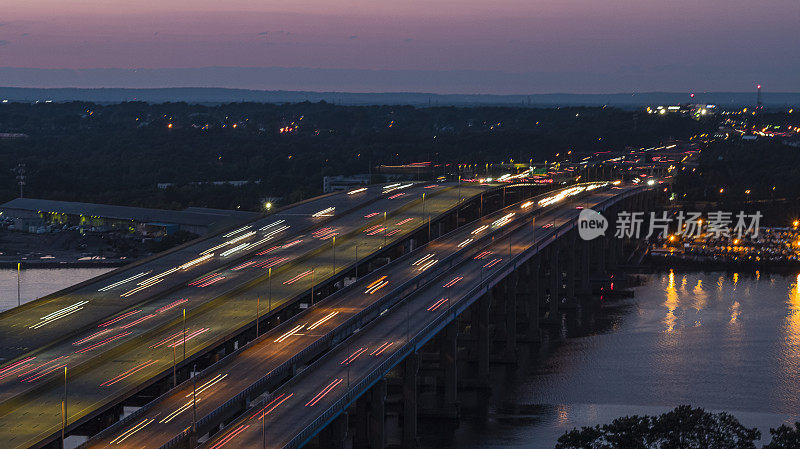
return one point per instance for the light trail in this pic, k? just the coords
(167, 339)
(15, 366)
(293, 331)
(379, 350)
(188, 337)
(453, 282)
(323, 320)
(324, 392)
(465, 243)
(271, 225)
(204, 279)
(272, 405)
(482, 255)
(119, 318)
(397, 195)
(353, 192)
(128, 373)
(124, 435)
(371, 215)
(492, 263)
(376, 285)
(423, 259)
(210, 383)
(230, 436)
(232, 233)
(102, 342)
(58, 314)
(90, 337)
(327, 212)
(233, 250)
(211, 281)
(402, 222)
(117, 284)
(43, 373)
(352, 357)
(480, 229)
(389, 234)
(140, 288)
(134, 323)
(194, 262)
(171, 305)
(36, 368)
(437, 304)
(297, 278)
(244, 265)
(427, 265)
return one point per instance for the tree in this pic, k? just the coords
(682, 428)
(785, 437)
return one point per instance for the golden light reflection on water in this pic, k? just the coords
(700, 298)
(792, 339)
(735, 310)
(672, 302)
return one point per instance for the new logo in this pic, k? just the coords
(591, 224)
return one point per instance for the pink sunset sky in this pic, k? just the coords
(702, 44)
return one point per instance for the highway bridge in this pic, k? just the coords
(302, 375)
(135, 332)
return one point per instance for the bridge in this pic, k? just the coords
(323, 370)
(132, 334)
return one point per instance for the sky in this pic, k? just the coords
(577, 46)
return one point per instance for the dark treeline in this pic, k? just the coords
(118, 153)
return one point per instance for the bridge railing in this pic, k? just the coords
(423, 335)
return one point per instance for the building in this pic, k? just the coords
(337, 183)
(140, 220)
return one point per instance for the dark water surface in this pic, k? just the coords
(37, 282)
(722, 341)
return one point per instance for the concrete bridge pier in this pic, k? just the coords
(512, 284)
(409, 413)
(554, 281)
(482, 335)
(449, 367)
(377, 415)
(529, 296)
(585, 287)
(334, 435)
(571, 268)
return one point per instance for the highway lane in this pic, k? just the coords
(36, 367)
(174, 413)
(35, 324)
(293, 407)
(92, 388)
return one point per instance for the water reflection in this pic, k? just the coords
(744, 358)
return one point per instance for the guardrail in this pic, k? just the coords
(275, 373)
(432, 328)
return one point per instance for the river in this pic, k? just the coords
(37, 282)
(725, 342)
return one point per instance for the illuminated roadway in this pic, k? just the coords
(173, 413)
(310, 399)
(114, 359)
(22, 329)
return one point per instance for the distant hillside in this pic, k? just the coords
(356, 87)
(210, 95)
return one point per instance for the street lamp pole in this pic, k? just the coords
(174, 369)
(334, 256)
(184, 335)
(270, 288)
(194, 399)
(64, 410)
(19, 301)
(385, 230)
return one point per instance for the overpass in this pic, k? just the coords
(306, 372)
(124, 335)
